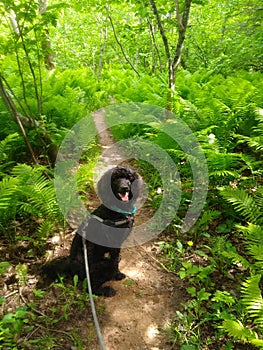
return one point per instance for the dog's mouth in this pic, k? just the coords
(124, 196)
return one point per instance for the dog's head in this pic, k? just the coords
(119, 187)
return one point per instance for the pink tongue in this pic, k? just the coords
(125, 197)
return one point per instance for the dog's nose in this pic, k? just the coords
(125, 189)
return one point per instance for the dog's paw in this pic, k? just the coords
(106, 291)
(119, 276)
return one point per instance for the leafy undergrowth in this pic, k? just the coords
(223, 308)
(37, 316)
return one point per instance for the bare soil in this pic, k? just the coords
(145, 302)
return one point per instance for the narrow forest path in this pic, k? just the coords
(135, 318)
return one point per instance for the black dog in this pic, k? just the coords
(105, 230)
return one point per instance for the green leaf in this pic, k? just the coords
(224, 296)
(191, 291)
(129, 282)
(238, 331)
(189, 347)
(4, 265)
(252, 298)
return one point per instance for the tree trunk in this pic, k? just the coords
(155, 48)
(182, 22)
(27, 122)
(45, 42)
(173, 61)
(17, 117)
(102, 48)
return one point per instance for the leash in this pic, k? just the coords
(92, 304)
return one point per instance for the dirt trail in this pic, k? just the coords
(135, 318)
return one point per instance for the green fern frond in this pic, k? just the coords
(41, 196)
(237, 259)
(45, 228)
(257, 342)
(258, 197)
(6, 144)
(259, 128)
(223, 173)
(244, 204)
(257, 252)
(252, 298)
(223, 164)
(238, 331)
(37, 194)
(25, 172)
(208, 216)
(250, 163)
(8, 187)
(253, 235)
(254, 142)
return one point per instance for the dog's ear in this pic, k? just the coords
(137, 187)
(104, 190)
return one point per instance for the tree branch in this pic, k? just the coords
(161, 29)
(121, 47)
(182, 25)
(16, 116)
(155, 44)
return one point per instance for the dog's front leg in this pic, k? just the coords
(115, 259)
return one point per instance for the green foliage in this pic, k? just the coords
(20, 327)
(252, 299)
(213, 41)
(125, 87)
(70, 95)
(238, 331)
(222, 104)
(226, 104)
(11, 326)
(255, 140)
(5, 147)
(27, 191)
(248, 206)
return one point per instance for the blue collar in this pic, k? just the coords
(127, 213)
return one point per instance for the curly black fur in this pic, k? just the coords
(118, 189)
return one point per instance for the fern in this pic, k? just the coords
(37, 192)
(5, 146)
(28, 192)
(237, 259)
(45, 228)
(238, 331)
(255, 141)
(8, 203)
(245, 204)
(253, 235)
(223, 165)
(252, 299)
(251, 208)
(8, 187)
